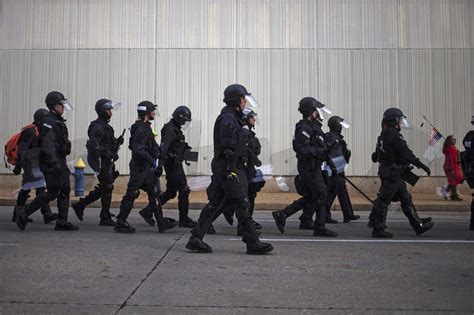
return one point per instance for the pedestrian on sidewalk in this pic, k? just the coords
(452, 167)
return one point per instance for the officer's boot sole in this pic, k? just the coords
(381, 234)
(260, 251)
(78, 210)
(108, 222)
(279, 221)
(203, 250)
(124, 230)
(148, 218)
(167, 226)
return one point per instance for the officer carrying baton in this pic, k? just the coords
(358, 189)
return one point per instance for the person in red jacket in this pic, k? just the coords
(452, 167)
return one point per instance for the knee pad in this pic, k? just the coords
(107, 188)
(185, 191)
(242, 204)
(133, 194)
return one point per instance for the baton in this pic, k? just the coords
(358, 189)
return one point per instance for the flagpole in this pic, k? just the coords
(424, 117)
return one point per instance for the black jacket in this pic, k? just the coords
(309, 143)
(173, 143)
(102, 145)
(338, 145)
(54, 143)
(392, 148)
(142, 143)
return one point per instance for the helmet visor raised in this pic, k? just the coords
(67, 105)
(112, 105)
(251, 101)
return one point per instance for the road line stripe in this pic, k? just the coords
(359, 241)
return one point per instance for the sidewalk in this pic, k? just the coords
(274, 201)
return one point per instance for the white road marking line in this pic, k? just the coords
(359, 241)
(10, 244)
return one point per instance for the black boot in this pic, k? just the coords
(122, 226)
(306, 225)
(166, 224)
(422, 228)
(106, 219)
(280, 220)
(197, 245)
(425, 220)
(187, 223)
(259, 248)
(330, 220)
(381, 234)
(14, 218)
(48, 218)
(257, 225)
(352, 218)
(147, 215)
(324, 232)
(63, 225)
(21, 218)
(78, 208)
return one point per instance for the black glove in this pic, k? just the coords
(17, 170)
(425, 168)
(115, 157)
(232, 176)
(120, 140)
(374, 157)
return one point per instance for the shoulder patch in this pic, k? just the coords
(47, 125)
(306, 134)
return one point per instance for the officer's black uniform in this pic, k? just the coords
(229, 177)
(337, 183)
(468, 160)
(102, 148)
(309, 145)
(145, 154)
(29, 140)
(55, 147)
(394, 158)
(173, 146)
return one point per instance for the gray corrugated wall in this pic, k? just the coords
(359, 57)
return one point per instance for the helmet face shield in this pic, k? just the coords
(185, 125)
(251, 101)
(67, 105)
(323, 111)
(112, 105)
(345, 124)
(404, 123)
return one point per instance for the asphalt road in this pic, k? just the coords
(96, 271)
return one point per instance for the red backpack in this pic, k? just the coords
(11, 147)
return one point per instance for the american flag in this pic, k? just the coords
(434, 137)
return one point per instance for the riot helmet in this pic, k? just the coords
(40, 114)
(102, 105)
(57, 98)
(146, 107)
(247, 114)
(307, 106)
(234, 92)
(394, 117)
(182, 114)
(336, 123)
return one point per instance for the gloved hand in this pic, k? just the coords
(159, 170)
(120, 140)
(115, 157)
(232, 176)
(17, 170)
(258, 163)
(374, 157)
(425, 168)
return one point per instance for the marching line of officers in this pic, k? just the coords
(235, 181)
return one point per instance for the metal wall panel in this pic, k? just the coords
(195, 24)
(436, 23)
(349, 24)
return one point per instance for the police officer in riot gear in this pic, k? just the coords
(337, 184)
(102, 152)
(468, 167)
(145, 160)
(311, 150)
(229, 178)
(27, 143)
(173, 148)
(394, 159)
(55, 147)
